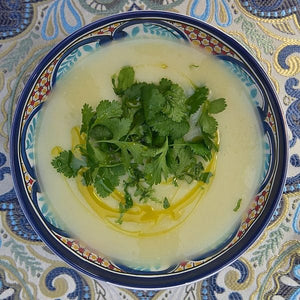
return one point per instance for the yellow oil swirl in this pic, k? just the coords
(142, 219)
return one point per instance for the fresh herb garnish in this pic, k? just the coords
(166, 203)
(238, 205)
(142, 136)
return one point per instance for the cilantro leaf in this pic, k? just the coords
(138, 151)
(195, 171)
(131, 150)
(158, 167)
(202, 150)
(153, 101)
(94, 154)
(107, 179)
(107, 110)
(66, 163)
(180, 160)
(87, 115)
(216, 106)
(167, 127)
(175, 107)
(238, 205)
(209, 142)
(100, 132)
(123, 80)
(205, 177)
(118, 127)
(166, 203)
(89, 176)
(164, 85)
(208, 123)
(197, 99)
(133, 93)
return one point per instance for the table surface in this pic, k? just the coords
(270, 29)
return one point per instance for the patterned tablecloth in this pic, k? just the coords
(270, 29)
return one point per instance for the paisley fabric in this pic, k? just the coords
(270, 30)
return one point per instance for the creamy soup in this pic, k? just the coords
(200, 216)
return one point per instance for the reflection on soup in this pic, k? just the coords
(200, 215)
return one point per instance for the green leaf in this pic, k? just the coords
(107, 179)
(134, 92)
(118, 127)
(124, 207)
(67, 164)
(208, 123)
(205, 177)
(107, 110)
(166, 203)
(123, 80)
(238, 205)
(175, 107)
(87, 115)
(101, 132)
(164, 85)
(167, 127)
(209, 142)
(180, 160)
(153, 101)
(89, 176)
(94, 155)
(158, 168)
(196, 171)
(202, 150)
(130, 150)
(197, 99)
(216, 106)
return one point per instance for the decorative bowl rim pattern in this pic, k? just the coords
(157, 280)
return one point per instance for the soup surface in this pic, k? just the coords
(203, 216)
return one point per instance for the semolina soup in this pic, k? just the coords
(200, 215)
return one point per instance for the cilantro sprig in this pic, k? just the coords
(138, 141)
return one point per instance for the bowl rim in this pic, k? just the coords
(168, 280)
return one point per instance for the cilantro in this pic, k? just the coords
(205, 177)
(166, 203)
(158, 168)
(87, 116)
(208, 123)
(175, 107)
(123, 80)
(216, 106)
(108, 110)
(197, 99)
(153, 101)
(140, 138)
(201, 149)
(238, 205)
(65, 163)
(118, 127)
(167, 127)
(181, 160)
(107, 179)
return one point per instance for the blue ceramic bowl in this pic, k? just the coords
(150, 24)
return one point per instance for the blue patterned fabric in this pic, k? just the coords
(269, 29)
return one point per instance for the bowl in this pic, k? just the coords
(147, 24)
